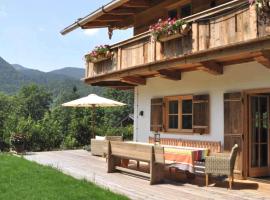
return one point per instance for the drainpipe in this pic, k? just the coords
(94, 15)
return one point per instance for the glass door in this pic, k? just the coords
(259, 136)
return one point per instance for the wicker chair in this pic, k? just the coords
(221, 164)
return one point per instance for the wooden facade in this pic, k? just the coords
(221, 33)
(240, 21)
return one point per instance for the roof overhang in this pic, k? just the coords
(118, 14)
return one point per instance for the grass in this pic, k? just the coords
(22, 179)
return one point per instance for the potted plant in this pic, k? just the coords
(17, 141)
(169, 29)
(99, 53)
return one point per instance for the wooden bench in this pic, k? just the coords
(100, 147)
(154, 155)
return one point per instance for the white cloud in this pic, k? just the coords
(91, 32)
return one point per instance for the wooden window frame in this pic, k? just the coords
(179, 98)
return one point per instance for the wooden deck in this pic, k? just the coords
(80, 164)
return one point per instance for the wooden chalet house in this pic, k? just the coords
(205, 76)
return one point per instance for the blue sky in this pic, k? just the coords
(29, 33)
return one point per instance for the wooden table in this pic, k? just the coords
(184, 158)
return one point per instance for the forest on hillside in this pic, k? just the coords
(46, 125)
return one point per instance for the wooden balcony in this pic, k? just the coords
(225, 29)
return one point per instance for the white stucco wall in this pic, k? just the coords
(235, 78)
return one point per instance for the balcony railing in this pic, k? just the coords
(226, 24)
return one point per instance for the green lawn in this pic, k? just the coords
(21, 179)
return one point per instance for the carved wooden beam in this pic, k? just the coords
(135, 80)
(211, 67)
(138, 4)
(170, 74)
(264, 59)
(111, 83)
(123, 11)
(109, 18)
(95, 24)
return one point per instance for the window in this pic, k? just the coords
(213, 4)
(180, 11)
(185, 11)
(172, 14)
(179, 113)
(173, 114)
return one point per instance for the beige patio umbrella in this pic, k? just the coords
(93, 101)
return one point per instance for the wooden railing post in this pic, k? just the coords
(253, 18)
(195, 37)
(119, 58)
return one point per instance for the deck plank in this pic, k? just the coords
(80, 164)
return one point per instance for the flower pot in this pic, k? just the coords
(182, 32)
(19, 148)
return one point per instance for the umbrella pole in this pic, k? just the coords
(93, 121)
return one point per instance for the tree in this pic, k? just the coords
(34, 101)
(114, 115)
(6, 108)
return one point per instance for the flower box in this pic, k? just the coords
(101, 58)
(182, 32)
(100, 53)
(169, 29)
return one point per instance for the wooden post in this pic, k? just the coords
(230, 182)
(156, 169)
(94, 121)
(111, 163)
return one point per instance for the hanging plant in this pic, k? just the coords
(168, 29)
(99, 53)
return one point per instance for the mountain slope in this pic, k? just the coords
(13, 77)
(71, 72)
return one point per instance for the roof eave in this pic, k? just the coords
(92, 16)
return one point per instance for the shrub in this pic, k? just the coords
(69, 143)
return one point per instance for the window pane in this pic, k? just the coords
(173, 107)
(264, 134)
(172, 14)
(173, 121)
(264, 155)
(213, 4)
(185, 10)
(187, 106)
(255, 155)
(187, 122)
(255, 134)
(263, 107)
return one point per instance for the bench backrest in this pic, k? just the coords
(114, 138)
(213, 146)
(139, 152)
